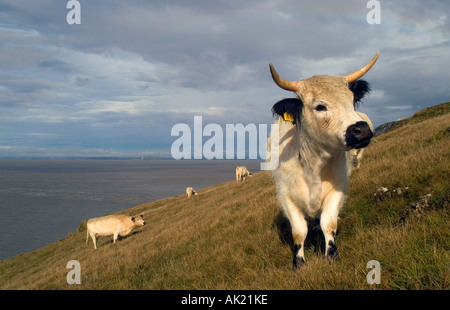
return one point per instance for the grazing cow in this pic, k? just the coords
(112, 225)
(316, 130)
(190, 191)
(242, 173)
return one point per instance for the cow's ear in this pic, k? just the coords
(289, 109)
(359, 88)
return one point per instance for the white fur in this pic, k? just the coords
(242, 173)
(312, 176)
(190, 191)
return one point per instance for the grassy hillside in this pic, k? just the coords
(232, 236)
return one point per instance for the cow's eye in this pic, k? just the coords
(321, 108)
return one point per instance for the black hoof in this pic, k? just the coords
(297, 262)
(333, 254)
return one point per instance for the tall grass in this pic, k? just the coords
(232, 236)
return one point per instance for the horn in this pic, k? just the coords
(284, 84)
(359, 73)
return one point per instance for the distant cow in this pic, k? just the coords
(112, 225)
(242, 173)
(190, 191)
(316, 130)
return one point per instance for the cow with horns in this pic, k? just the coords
(316, 132)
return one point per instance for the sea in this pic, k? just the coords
(42, 201)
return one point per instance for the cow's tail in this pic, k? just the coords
(87, 235)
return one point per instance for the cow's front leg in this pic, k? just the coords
(328, 223)
(94, 239)
(299, 228)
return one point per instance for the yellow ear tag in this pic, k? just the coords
(288, 117)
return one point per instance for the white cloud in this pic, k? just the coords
(399, 107)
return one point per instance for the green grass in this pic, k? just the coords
(232, 236)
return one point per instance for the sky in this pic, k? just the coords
(116, 84)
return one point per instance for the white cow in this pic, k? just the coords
(190, 191)
(242, 173)
(316, 130)
(112, 225)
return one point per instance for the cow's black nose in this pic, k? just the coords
(358, 135)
